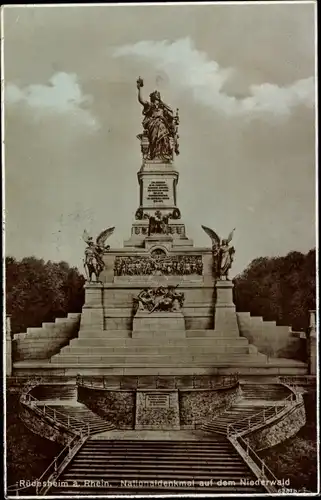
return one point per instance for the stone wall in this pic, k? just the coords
(270, 339)
(43, 426)
(44, 342)
(117, 407)
(199, 406)
(186, 410)
(278, 431)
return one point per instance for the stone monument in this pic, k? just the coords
(159, 306)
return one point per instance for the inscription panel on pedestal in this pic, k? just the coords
(157, 400)
(158, 191)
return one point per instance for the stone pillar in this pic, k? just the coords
(92, 315)
(225, 320)
(8, 347)
(312, 350)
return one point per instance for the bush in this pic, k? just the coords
(279, 288)
(296, 458)
(28, 455)
(38, 291)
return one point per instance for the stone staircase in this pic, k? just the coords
(61, 400)
(203, 352)
(254, 398)
(104, 467)
(79, 416)
(117, 347)
(55, 392)
(45, 341)
(230, 416)
(267, 392)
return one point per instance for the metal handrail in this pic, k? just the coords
(267, 409)
(80, 436)
(76, 440)
(250, 452)
(47, 410)
(297, 379)
(238, 441)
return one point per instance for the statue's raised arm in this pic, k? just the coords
(140, 84)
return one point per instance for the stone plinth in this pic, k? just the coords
(157, 410)
(93, 312)
(225, 313)
(312, 347)
(162, 324)
(8, 347)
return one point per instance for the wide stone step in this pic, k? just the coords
(141, 358)
(92, 333)
(105, 341)
(181, 455)
(134, 350)
(106, 467)
(257, 368)
(187, 474)
(156, 445)
(125, 462)
(87, 333)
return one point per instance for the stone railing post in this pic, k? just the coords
(8, 347)
(312, 344)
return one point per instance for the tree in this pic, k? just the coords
(39, 291)
(279, 288)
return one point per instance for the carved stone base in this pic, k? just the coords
(157, 410)
(162, 324)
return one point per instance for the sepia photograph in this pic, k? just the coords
(160, 253)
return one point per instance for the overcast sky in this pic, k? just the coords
(243, 79)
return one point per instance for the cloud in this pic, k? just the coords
(190, 69)
(61, 96)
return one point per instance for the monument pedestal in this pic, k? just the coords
(8, 347)
(312, 345)
(225, 312)
(160, 324)
(93, 310)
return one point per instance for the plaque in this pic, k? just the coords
(158, 191)
(157, 400)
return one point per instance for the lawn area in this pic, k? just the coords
(296, 458)
(28, 455)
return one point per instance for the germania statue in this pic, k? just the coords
(93, 262)
(160, 128)
(223, 254)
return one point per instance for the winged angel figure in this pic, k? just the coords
(93, 261)
(223, 254)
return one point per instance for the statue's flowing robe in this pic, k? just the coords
(225, 260)
(158, 124)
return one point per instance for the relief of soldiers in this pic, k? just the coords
(159, 299)
(170, 266)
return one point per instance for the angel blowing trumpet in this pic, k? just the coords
(223, 254)
(93, 262)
